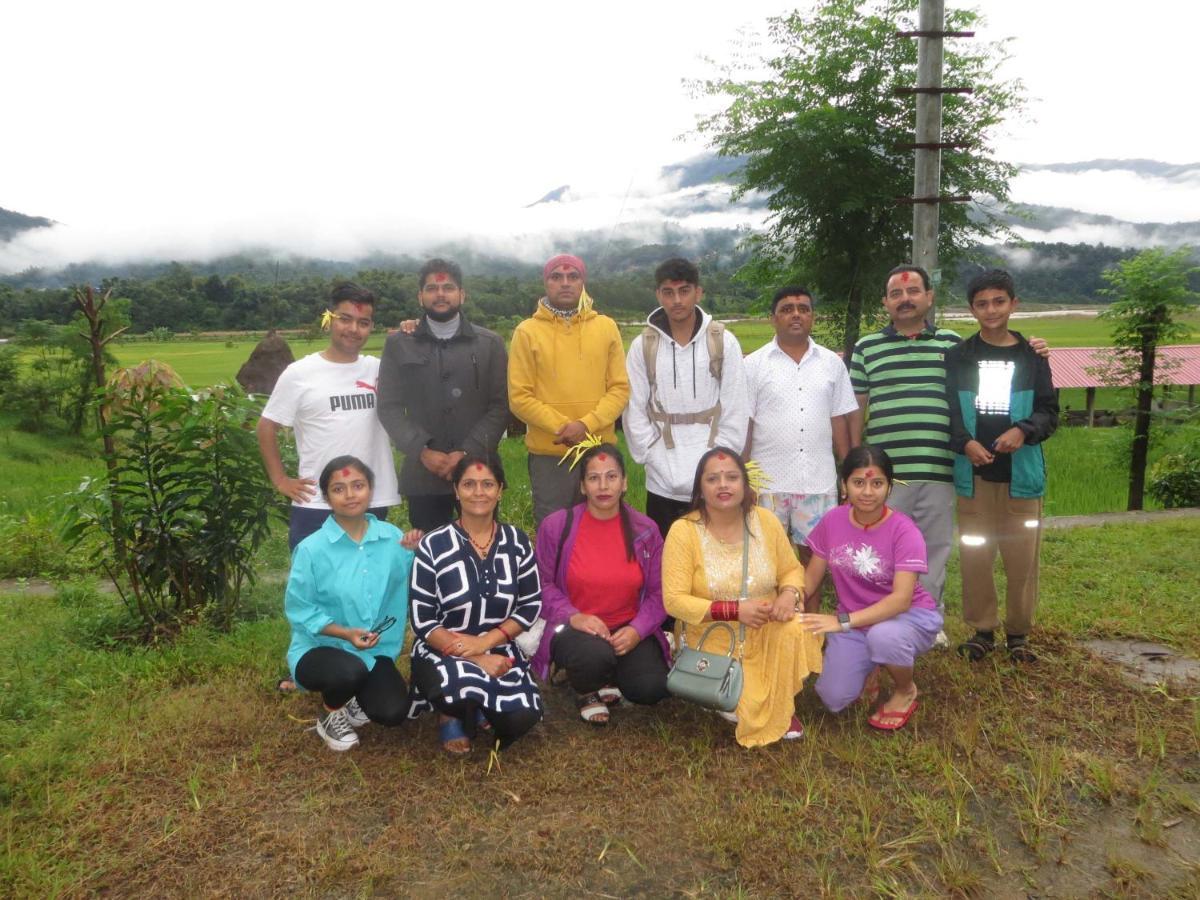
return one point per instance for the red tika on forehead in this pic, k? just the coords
(440, 277)
(602, 456)
(345, 473)
(870, 473)
(904, 276)
(360, 307)
(721, 456)
(478, 467)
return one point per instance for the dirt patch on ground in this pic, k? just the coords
(1148, 663)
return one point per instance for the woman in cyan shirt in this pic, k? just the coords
(601, 569)
(885, 618)
(347, 602)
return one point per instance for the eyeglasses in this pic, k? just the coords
(384, 625)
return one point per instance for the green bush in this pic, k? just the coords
(186, 506)
(1175, 479)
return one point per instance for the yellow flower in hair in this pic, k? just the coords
(585, 301)
(592, 440)
(326, 319)
(756, 476)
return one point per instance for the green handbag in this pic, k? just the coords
(712, 680)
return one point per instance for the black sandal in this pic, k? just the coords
(1019, 650)
(977, 647)
(592, 710)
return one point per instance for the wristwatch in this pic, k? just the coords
(844, 621)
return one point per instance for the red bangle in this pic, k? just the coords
(723, 610)
(503, 634)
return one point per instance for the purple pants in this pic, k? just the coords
(851, 655)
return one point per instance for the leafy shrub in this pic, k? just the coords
(1175, 480)
(185, 507)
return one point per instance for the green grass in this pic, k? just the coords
(178, 770)
(1072, 331)
(200, 363)
(1085, 476)
(1114, 581)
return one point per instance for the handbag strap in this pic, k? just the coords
(681, 628)
(745, 583)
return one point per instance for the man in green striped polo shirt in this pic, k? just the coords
(899, 378)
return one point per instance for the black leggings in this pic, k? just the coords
(591, 664)
(508, 726)
(338, 675)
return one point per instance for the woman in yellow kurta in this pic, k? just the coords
(702, 581)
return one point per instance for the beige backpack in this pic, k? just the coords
(715, 338)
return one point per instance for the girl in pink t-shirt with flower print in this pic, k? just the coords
(885, 619)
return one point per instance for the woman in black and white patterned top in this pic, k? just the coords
(474, 588)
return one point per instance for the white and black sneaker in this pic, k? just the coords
(337, 731)
(355, 714)
(941, 642)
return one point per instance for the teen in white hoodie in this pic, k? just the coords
(699, 398)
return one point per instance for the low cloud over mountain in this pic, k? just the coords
(1119, 203)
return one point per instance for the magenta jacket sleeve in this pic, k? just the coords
(649, 547)
(556, 606)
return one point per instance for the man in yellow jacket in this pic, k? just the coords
(566, 378)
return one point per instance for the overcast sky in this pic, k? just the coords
(150, 127)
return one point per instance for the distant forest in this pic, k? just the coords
(254, 292)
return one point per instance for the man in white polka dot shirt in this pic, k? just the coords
(800, 398)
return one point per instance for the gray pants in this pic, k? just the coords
(931, 505)
(554, 487)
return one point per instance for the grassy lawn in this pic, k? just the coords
(1086, 475)
(201, 363)
(179, 771)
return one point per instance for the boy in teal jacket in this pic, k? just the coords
(1002, 407)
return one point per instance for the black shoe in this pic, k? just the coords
(979, 646)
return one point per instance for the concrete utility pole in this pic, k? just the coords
(927, 180)
(928, 143)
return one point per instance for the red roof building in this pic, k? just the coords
(1072, 366)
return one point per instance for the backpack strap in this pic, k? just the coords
(562, 538)
(651, 337)
(716, 349)
(715, 341)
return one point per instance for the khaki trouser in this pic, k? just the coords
(554, 486)
(993, 521)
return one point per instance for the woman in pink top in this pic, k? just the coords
(885, 618)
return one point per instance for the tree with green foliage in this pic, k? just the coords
(1150, 291)
(822, 132)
